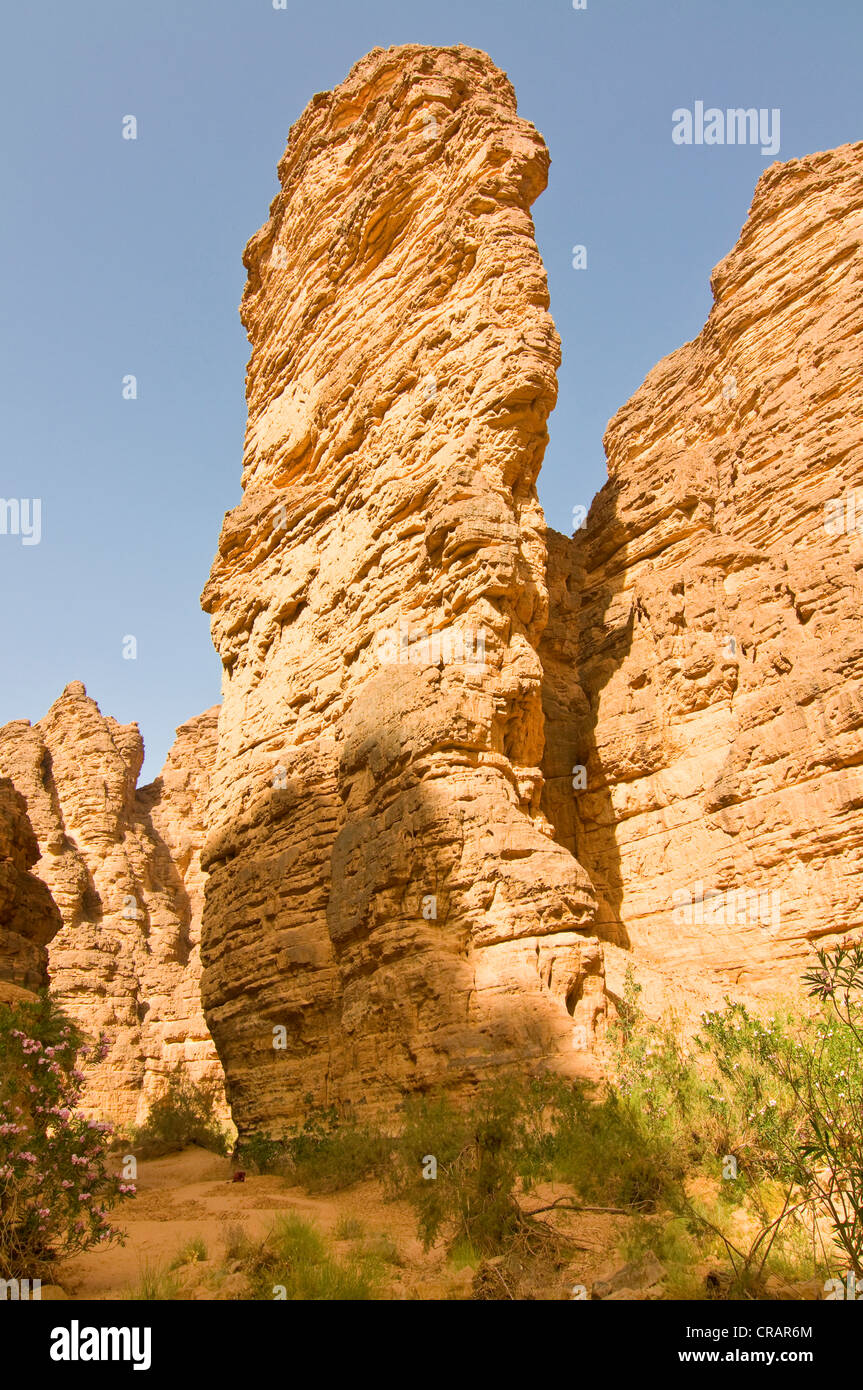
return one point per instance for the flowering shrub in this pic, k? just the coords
(55, 1187)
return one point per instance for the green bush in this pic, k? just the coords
(324, 1155)
(263, 1155)
(155, 1285)
(294, 1258)
(608, 1151)
(327, 1156)
(482, 1155)
(193, 1252)
(794, 1085)
(183, 1114)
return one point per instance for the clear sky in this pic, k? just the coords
(124, 257)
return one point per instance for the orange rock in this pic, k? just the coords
(28, 916)
(715, 657)
(386, 905)
(123, 866)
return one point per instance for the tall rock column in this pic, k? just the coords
(386, 908)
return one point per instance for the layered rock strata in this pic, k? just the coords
(704, 655)
(28, 915)
(123, 866)
(386, 907)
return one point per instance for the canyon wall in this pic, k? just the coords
(704, 653)
(28, 915)
(123, 867)
(386, 907)
(467, 769)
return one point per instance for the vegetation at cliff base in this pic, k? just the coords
(56, 1189)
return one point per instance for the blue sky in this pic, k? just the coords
(124, 257)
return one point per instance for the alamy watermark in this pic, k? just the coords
(416, 645)
(706, 907)
(842, 515)
(20, 1290)
(735, 126)
(21, 517)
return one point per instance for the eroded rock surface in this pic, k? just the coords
(28, 915)
(705, 650)
(123, 866)
(384, 886)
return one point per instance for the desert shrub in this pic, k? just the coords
(349, 1228)
(795, 1087)
(55, 1187)
(193, 1252)
(662, 1090)
(675, 1244)
(781, 1096)
(263, 1155)
(235, 1240)
(184, 1114)
(294, 1257)
(484, 1155)
(326, 1154)
(155, 1285)
(603, 1146)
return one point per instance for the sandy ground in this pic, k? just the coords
(190, 1194)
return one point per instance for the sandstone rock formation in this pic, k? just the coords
(704, 654)
(123, 867)
(457, 751)
(28, 915)
(386, 905)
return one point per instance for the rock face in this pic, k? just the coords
(704, 654)
(28, 915)
(386, 905)
(123, 867)
(456, 750)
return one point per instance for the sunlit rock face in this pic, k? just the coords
(704, 656)
(123, 866)
(386, 907)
